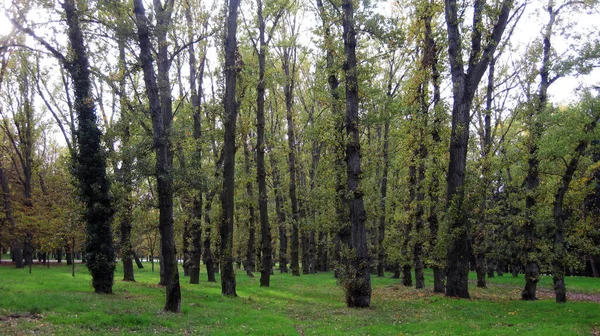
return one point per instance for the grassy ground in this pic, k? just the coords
(50, 301)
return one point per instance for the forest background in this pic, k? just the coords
(362, 138)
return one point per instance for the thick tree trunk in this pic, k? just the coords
(358, 287)
(159, 96)
(230, 116)
(464, 86)
(91, 163)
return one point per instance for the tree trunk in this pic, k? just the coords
(464, 86)
(358, 287)
(91, 163)
(289, 67)
(480, 268)
(261, 171)
(209, 259)
(281, 222)
(159, 96)
(196, 97)
(138, 262)
(230, 117)
(491, 267)
(250, 262)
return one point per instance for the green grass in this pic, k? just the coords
(50, 301)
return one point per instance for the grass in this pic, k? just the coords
(50, 301)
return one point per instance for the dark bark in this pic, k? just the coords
(289, 68)
(230, 117)
(90, 162)
(250, 262)
(261, 171)
(159, 97)
(197, 206)
(186, 242)
(138, 262)
(208, 257)
(358, 286)
(464, 87)
(480, 268)
(281, 223)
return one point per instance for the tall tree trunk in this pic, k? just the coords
(230, 117)
(196, 98)
(91, 163)
(464, 86)
(289, 67)
(358, 289)
(261, 171)
(159, 96)
(250, 262)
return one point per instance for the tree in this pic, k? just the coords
(231, 111)
(159, 96)
(261, 173)
(464, 86)
(289, 64)
(358, 280)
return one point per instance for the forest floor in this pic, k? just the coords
(50, 301)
